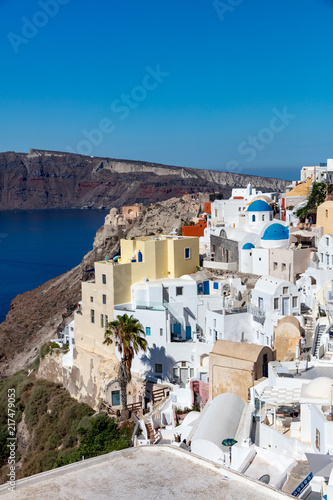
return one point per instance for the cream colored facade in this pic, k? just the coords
(325, 217)
(287, 335)
(235, 367)
(162, 257)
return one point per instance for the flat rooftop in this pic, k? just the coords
(145, 472)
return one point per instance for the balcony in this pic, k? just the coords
(257, 313)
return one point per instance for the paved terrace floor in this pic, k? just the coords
(155, 472)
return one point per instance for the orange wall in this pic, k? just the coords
(207, 207)
(193, 230)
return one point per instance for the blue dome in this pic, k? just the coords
(248, 246)
(259, 206)
(276, 232)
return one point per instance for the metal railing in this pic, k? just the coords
(256, 311)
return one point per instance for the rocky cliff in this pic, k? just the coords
(49, 179)
(36, 316)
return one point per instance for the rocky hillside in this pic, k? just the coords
(36, 316)
(48, 179)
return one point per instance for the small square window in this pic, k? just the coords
(148, 330)
(295, 301)
(326, 214)
(276, 304)
(183, 364)
(104, 299)
(285, 290)
(179, 290)
(284, 267)
(187, 253)
(215, 285)
(275, 266)
(104, 279)
(158, 368)
(161, 332)
(327, 241)
(91, 299)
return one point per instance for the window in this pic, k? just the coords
(284, 267)
(115, 398)
(104, 279)
(183, 364)
(318, 437)
(270, 217)
(73, 341)
(92, 316)
(294, 301)
(260, 302)
(214, 323)
(161, 332)
(276, 304)
(91, 299)
(158, 368)
(262, 217)
(275, 266)
(321, 257)
(259, 259)
(148, 330)
(106, 320)
(326, 214)
(214, 248)
(285, 290)
(191, 372)
(179, 290)
(253, 218)
(102, 320)
(327, 259)
(104, 299)
(215, 285)
(327, 241)
(187, 253)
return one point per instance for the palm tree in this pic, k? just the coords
(125, 332)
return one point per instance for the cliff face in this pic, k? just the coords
(37, 315)
(47, 179)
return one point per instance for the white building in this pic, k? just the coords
(320, 173)
(271, 300)
(246, 246)
(325, 252)
(173, 314)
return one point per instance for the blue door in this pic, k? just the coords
(206, 287)
(176, 329)
(188, 332)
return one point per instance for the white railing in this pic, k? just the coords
(256, 311)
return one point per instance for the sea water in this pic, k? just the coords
(38, 245)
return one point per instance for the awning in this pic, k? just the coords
(320, 465)
(281, 395)
(302, 233)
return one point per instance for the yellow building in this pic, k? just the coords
(142, 258)
(325, 217)
(147, 257)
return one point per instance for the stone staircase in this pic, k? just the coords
(153, 434)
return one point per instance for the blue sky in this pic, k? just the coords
(186, 83)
